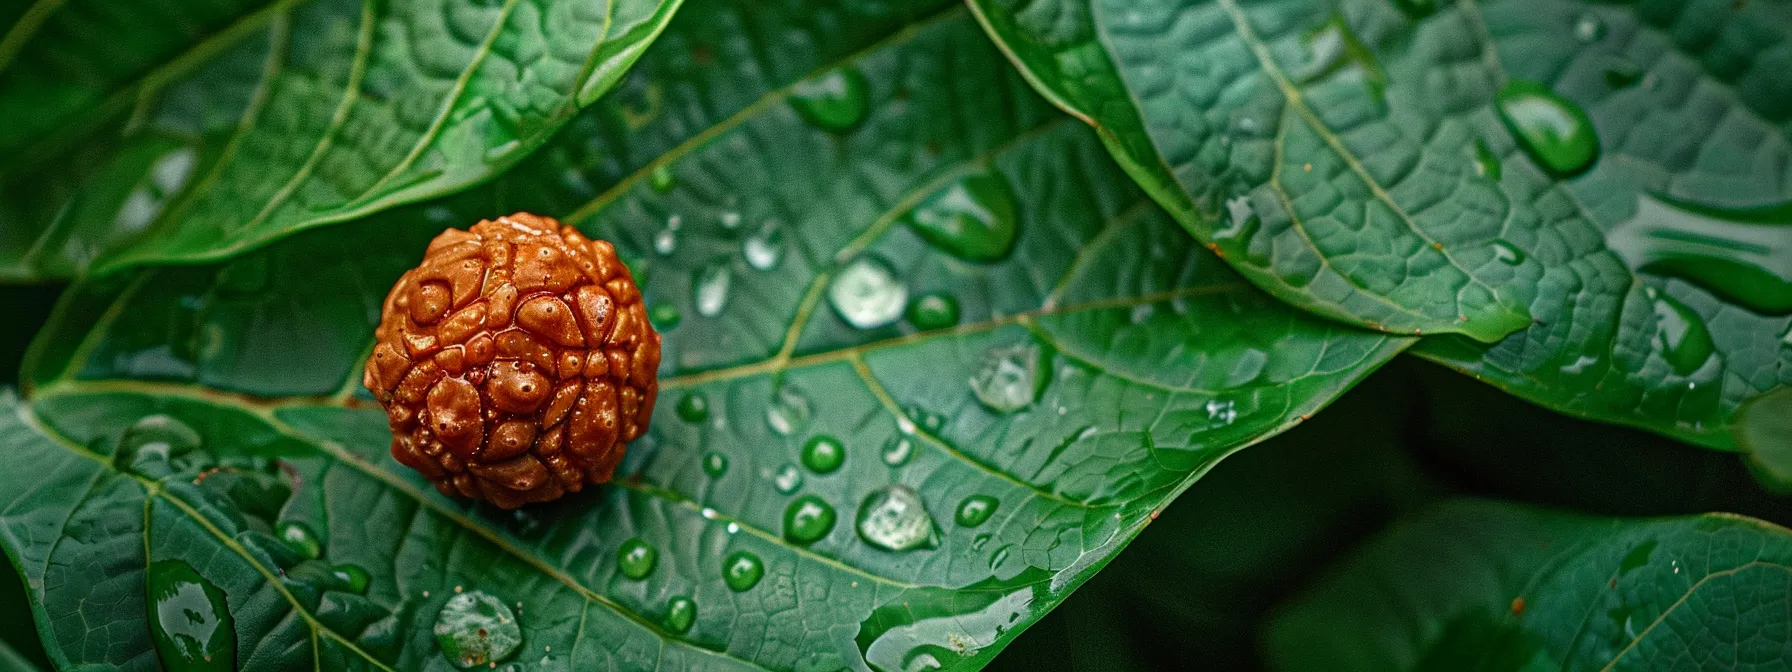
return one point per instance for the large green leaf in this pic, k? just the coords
(1478, 585)
(1154, 360)
(146, 131)
(1351, 157)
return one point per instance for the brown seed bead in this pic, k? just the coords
(516, 362)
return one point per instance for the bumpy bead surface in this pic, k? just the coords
(515, 362)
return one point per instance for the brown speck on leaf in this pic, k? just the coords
(1517, 606)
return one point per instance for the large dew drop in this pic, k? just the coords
(807, 519)
(742, 570)
(892, 518)
(189, 619)
(1555, 132)
(974, 219)
(1009, 378)
(681, 613)
(636, 558)
(151, 446)
(710, 289)
(475, 629)
(867, 294)
(823, 454)
(835, 101)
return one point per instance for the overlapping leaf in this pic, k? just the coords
(1351, 158)
(175, 131)
(739, 214)
(1477, 585)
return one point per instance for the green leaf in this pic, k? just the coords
(1480, 585)
(1150, 358)
(1395, 165)
(139, 133)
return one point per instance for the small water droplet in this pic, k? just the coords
(1221, 412)
(666, 241)
(1555, 132)
(710, 289)
(729, 219)
(1008, 379)
(807, 519)
(664, 316)
(1680, 334)
(1487, 164)
(351, 578)
(789, 411)
(974, 219)
(715, 464)
(976, 509)
(1241, 223)
(1588, 28)
(152, 445)
(1507, 253)
(636, 558)
(835, 101)
(661, 179)
(787, 480)
(681, 613)
(742, 570)
(693, 407)
(473, 629)
(933, 311)
(892, 518)
(1001, 555)
(823, 454)
(867, 294)
(300, 538)
(763, 250)
(897, 450)
(930, 422)
(189, 619)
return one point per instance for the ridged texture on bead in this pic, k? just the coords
(516, 362)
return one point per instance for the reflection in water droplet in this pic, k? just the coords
(933, 311)
(764, 249)
(710, 289)
(189, 619)
(636, 558)
(788, 412)
(892, 518)
(1680, 334)
(808, 518)
(1588, 28)
(823, 454)
(664, 316)
(151, 446)
(835, 101)
(1009, 378)
(742, 570)
(897, 450)
(867, 293)
(661, 179)
(974, 219)
(787, 480)
(976, 509)
(475, 629)
(715, 464)
(1555, 132)
(681, 612)
(351, 578)
(1507, 253)
(1487, 164)
(693, 407)
(300, 538)
(1742, 255)
(1220, 412)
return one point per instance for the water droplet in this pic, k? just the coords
(867, 293)
(897, 450)
(787, 480)
(823, 454)
(976, 509)
(476, 629)
(930, 422)
(1008, 379)
(681, 612)
(661, 179)
(1742, 255)
(807, 519)
(742, 570)
(1220, 412)
(693, 407)
(300, 538)
(933, 311)
(151, 445)
(729, 219)
(892, 518)
(666, 241)
(1507, 253)
(835, 101)
(1241, 225)
(1588, 28)
(710, 287)
(636, 558)
(664, 316)
(1487, 164)
(764, 249)
(189, 619)
(1001, 555)
(1556, 133)
(1680, 334)
(715, 464)
(351, 578)
(788, 412)
(974, 219)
